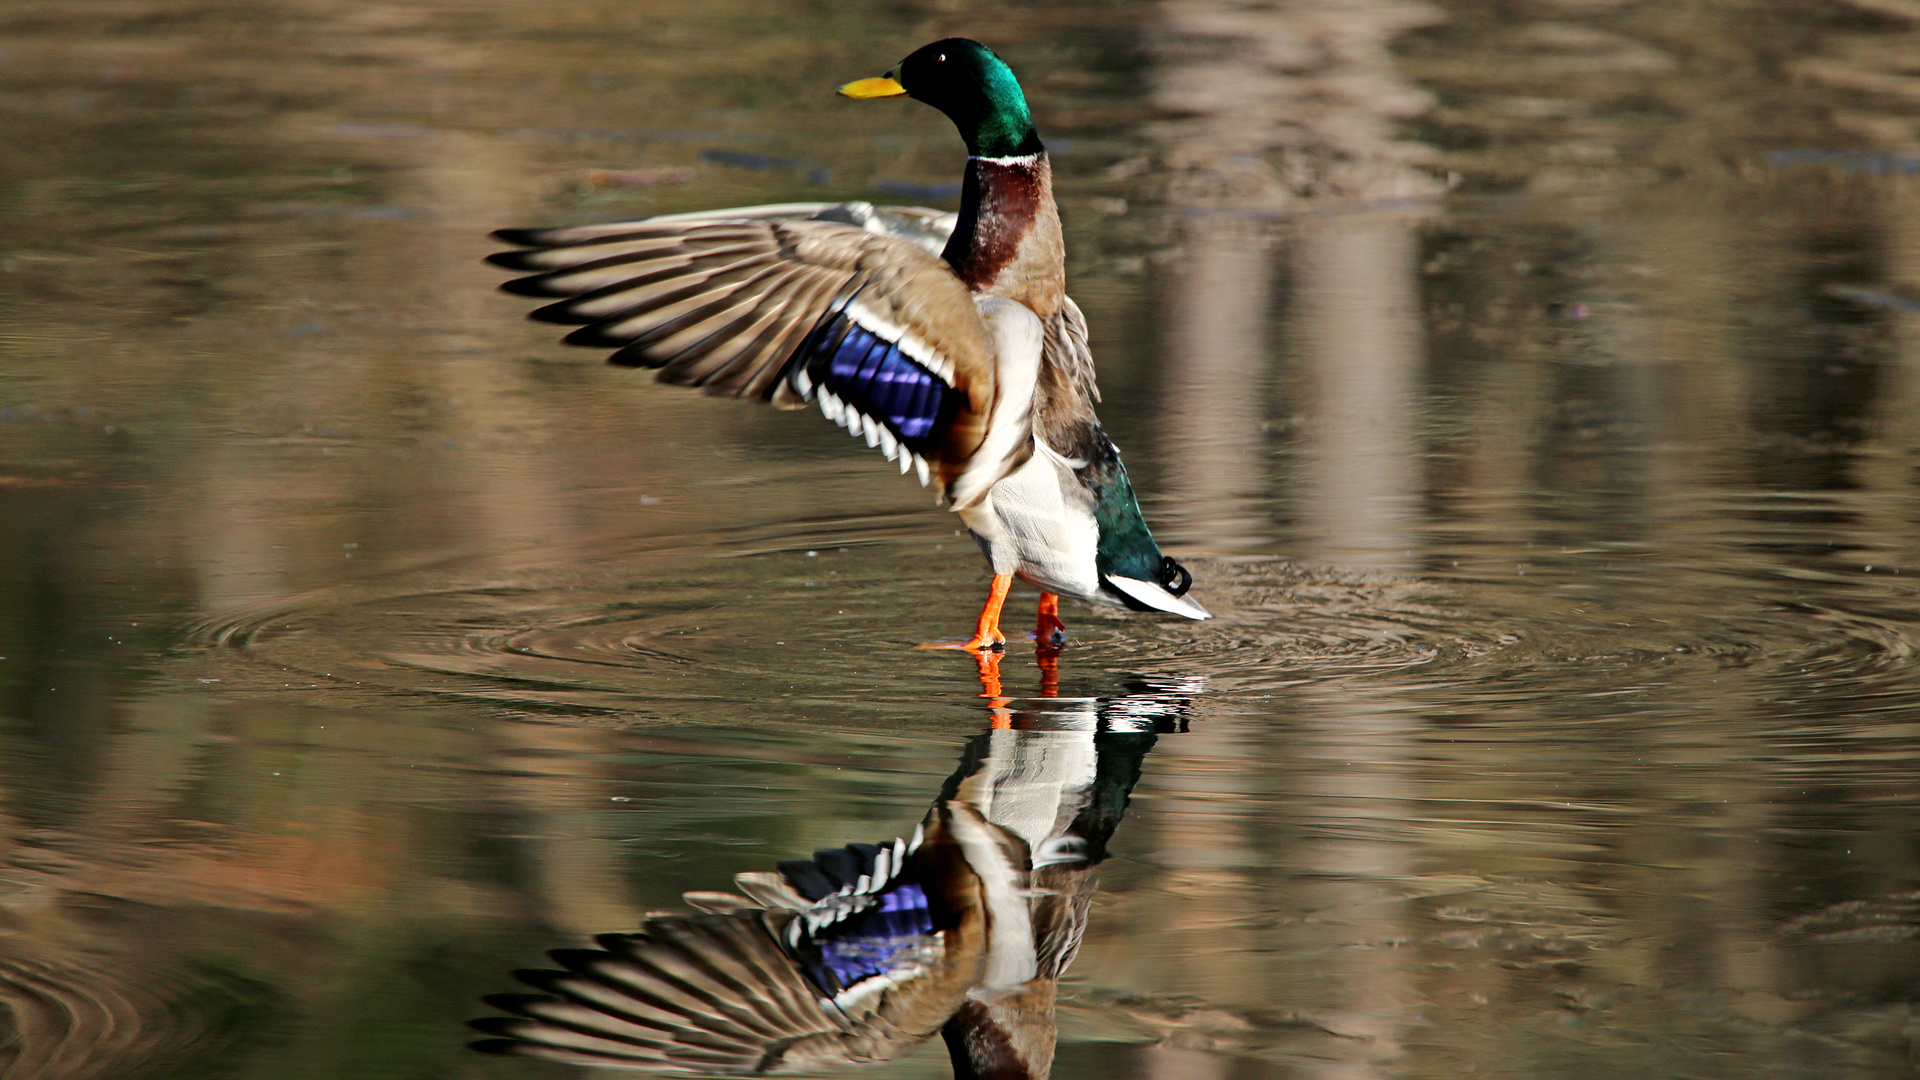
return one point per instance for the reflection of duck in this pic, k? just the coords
(972, 367)
(862, 952)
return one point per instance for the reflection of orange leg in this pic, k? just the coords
(1049, 630)
(990, 677)
(986, 634)
(1048, 660)
(989, 662)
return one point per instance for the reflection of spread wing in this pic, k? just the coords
(842, 960)
(869, 324)
(701, 994)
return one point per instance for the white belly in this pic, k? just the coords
(1037, 523)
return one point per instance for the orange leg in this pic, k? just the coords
(986, 634)
(1049, 630)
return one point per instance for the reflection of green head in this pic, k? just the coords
(977, 91)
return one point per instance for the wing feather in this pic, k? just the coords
(865, 215)
(733, 318)
(659, 984)
(557, 254)
(726, 343)
(539, 1038)
(743, 958)
(759, 371)
(669, 306)
(655, 282)
(596, 994)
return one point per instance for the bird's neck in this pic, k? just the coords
(1008, 241)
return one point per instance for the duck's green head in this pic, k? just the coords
(1131, 566)
(975, 88)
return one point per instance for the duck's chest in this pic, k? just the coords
(1008, 240)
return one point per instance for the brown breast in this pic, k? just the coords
(1008, 241)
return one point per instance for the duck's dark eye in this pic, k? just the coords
(1174, 576)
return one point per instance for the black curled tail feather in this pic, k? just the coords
(1174, 577)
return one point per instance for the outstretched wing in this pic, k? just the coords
(845, 308)
(702, 994)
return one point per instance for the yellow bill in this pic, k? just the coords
(872, 88)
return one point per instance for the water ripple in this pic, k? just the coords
(771, 626)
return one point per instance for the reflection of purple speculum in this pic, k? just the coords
(869, 943)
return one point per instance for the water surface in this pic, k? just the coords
(1530, 388)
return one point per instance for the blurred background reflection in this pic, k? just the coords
(1530, 387)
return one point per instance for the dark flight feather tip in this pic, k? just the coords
(518, 237)
(538, 978)
(514, 260)
(491, 1025)
(513, 1003)
(595, 335)
(526, 286)
(562, 313)
(578, 961)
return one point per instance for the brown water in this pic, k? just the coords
(1532, 389)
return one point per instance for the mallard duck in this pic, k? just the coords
(969, 366)
(861, 953)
